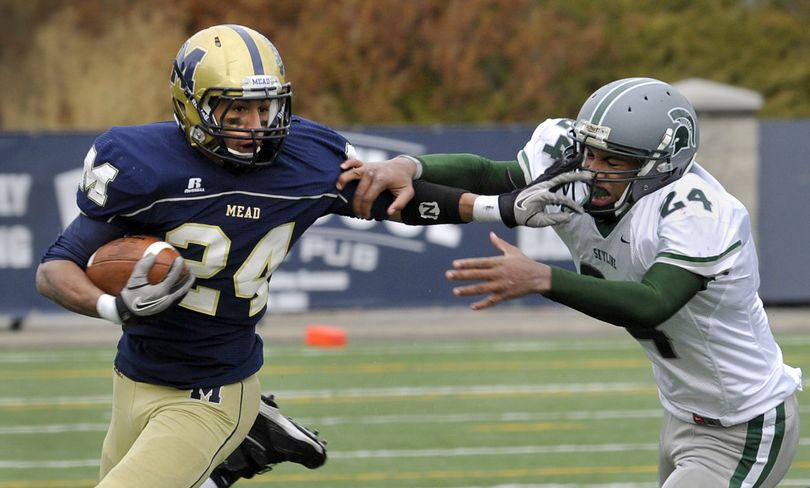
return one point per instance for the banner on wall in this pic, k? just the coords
(339, 262)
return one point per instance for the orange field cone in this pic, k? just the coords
(325, 336)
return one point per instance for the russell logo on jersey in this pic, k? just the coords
(194, 186)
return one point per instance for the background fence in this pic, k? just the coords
(383, 264)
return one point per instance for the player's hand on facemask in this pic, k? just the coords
(527, 206)
(395, 175)
(140, 299)
(501, 278)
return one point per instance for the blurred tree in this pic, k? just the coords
(86, 65)
(95, 63)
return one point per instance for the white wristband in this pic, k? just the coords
(418, 173)
(486, 209)
(105, 306)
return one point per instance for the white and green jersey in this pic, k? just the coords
(716, 357)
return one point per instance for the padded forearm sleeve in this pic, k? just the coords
(432, 204)
(646, 304)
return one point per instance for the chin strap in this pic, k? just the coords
(609, 214)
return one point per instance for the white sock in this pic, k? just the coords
(209, 483)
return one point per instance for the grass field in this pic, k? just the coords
(529, 413)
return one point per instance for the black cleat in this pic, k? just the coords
(272, 439)
(290, 441)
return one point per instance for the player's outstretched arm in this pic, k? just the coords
(422, 202)
(663, 290)
(471, 172)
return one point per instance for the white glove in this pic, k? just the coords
(139, 298)
(527, 206)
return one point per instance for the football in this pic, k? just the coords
(111, 265)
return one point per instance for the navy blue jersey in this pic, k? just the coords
(232, 229)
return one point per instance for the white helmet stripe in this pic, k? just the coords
(604, 106)
(609, 96)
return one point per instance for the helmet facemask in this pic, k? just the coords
(265, 141)
(617, 208)
(643, 120)
(652, 167)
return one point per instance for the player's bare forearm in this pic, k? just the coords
(465, 206)
(66, 284)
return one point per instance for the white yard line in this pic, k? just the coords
(498, 417)
(52, 429)
(384, 420)
(394, 392)
(554, 344)
(401, 453)
(23, 357)
(13, 357)
(492, 451)
(334, 420)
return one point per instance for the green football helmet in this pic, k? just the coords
(220, 65)
(642, 119)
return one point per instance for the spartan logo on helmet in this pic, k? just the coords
(684, 137)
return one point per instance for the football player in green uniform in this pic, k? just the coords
(660, 248)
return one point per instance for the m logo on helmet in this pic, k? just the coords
(684, 137)
(185, 65)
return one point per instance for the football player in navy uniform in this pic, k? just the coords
(233, 188)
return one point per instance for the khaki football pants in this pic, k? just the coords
(756, 453)
(169, 438)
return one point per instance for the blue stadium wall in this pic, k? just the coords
(352, 263)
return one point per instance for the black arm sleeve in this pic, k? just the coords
(472, 172)
(432, 204)
(662, 292)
